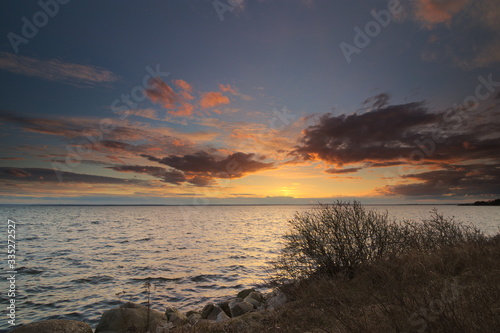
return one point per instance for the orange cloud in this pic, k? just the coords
(183, 85)
(438, 11)
(178, 102)
(186, 88)
(213, 99)
(228, 88)
(162, 93)
(185, 110)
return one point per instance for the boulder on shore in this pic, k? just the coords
(216, 313)
(276, 300)
(176, 317)
(54, 326)
(254, 298)
(239, 307)
(244, 293)
(129, 317)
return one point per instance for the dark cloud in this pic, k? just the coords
(58, 127)
(348, 170)
(201, 181)
(205, 165)
(11, 158)
(106, 135)
(381, 135)
(453, 180)
(51, 175)
(401, 134)
(378, 101)
(116, 145)
(15, 172)
(55, 70)
(383, 164)
(168, 176)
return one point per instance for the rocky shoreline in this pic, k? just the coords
(131, 317)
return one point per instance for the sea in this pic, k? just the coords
(75, 262)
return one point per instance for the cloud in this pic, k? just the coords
(438, 11)
(112, 139)
(199, 169)
(467, 20)
(69, 127)
(489, 54)
(396, 134)
(184, 85)
(452, 180)
(213, 99)
(227, 88)
(204, 166)
(55, 70)
(342, 171)
(11, 158)
(365, 138)
(234, 91)
(50, 175)
(144, 113)
(183, 103)
(162, 93)
(167, 176)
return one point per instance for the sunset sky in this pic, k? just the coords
(249, 102)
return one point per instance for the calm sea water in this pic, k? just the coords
(73, 260)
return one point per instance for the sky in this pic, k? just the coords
(249, 102)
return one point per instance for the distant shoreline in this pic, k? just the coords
(483, 203)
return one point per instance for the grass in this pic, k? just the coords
(351, 270)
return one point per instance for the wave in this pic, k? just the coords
(157, 279)
(29, 271)
(93, 279)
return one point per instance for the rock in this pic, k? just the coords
(175, 317)
(206, 310)
(254, 298)
(190, 312)
(232, 302)
(276, 300)
(244, 293)
(222, 316)
(211, 311)
(225, 307)
(194, 318)
(130, 316)
(54, 326)
(213, 315)
(238, 307)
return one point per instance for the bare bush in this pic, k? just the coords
(339, 238)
